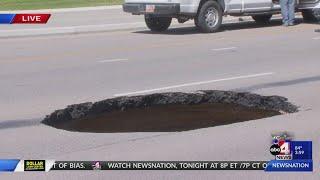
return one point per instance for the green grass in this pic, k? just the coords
(51, 4)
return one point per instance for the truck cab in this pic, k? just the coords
(208, 14)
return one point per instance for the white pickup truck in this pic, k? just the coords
(207, 14)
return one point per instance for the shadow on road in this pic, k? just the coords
(19, 123)
(280, 84)
(225, 27)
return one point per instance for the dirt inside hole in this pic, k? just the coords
(166, 118)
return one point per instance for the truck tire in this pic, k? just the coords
(196, 23)
(209, 18)
(157, 24)
(262, 19)
(310, 16)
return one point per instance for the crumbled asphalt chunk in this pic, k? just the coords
(85, 110)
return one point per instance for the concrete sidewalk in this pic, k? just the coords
(83, 20)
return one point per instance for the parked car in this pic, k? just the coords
(208, 14)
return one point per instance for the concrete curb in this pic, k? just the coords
(80, 9)
(69, 30)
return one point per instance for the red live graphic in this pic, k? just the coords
(31, 18)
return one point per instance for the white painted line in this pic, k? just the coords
(112, 60)
(224, 49)
(316, 38)
(196, 83)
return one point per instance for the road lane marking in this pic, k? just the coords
(224, 49)
(316, 38)
(112, 60)
(195, 83)
(70, 53)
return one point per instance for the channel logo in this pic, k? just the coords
(290, 155)
(96, 166)
(281, 147)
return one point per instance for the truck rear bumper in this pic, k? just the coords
(152, 8)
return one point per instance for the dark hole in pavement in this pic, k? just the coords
(167, 112)
(166, 118)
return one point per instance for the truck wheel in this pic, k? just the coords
(262, 19)
(209, 18)
(310, 16)
(196, 23)
(157, 23)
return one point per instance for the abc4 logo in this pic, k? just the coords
(281, 148)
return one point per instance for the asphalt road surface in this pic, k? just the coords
(80, 17)
(84, 20)
(41, 74)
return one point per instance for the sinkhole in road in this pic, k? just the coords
(168, 112)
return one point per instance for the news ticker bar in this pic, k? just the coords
(15, 165)
(161, 165)
(51, 165)
(24, 18)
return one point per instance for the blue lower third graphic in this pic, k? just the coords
(292, 165)
(301, 149)
(8, 164)
(6, 18)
